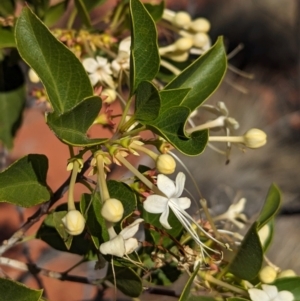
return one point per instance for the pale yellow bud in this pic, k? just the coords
(286, 273)
(267, 274)
(200, 25)
(165, 164)
(182, 19)
(178, 56)
(255, 138)
(111, 95)
(183, 44)
(112, 210)
(201, 39)
(74, 222)
(33, 76)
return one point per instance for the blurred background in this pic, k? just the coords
(269, 31)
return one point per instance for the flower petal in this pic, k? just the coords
(115, 246)
(270, 290)
(94, 78)
(90, 65)
(180, 181)
(258, 295)
(183, 203)
(130, 245)
(156, 204)
(164, 219)
(101, 61)
(125, 45)
(131, 230)
(285, 296)
(166, 185)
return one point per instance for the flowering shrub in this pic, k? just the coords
(83, 70)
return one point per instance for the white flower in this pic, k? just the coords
(121, 63)
(161, 204)
(124, 243)
(270, 293)
(99, 71)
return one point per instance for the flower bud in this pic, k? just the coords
(74, 222)
(112, 210)
(165, 164)
(33, 76)
(111, 95)
(182, 19)
(286, 273)
(184, 44)
(267, 274)
(201, 39)
(200, 25)
(255, 138)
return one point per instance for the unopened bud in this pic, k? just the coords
(74, 222)
(111, 95)
(267, 274)
(33, 76)
(182, 19)
(112, 210)
(165, 164)
(184, 44)
(286, 273)
(201, 39)
(200, 25)
(255, 138)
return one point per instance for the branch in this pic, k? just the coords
(43, 209)
(35, 270)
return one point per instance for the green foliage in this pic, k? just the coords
(63, 76)
(144, 56)
(11, 107)
(71, 126)
(53, 14)
(187, 289)
(127, 281)
(203, 77)
(155, 10)
(13, 290)
(24, 182)
(291, 284)
(7, 38)
(83, 13)
(147, 103)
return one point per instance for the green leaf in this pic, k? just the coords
(203, 76)
(24, 182)
(168, 97)
(248, 260)
(124, 194)
(62, 74)
(7, 38)
(11, 108)
(291, 284)
(90, 207)
(83, 13)
(153, 219)
(57, 223)
(271, 206)
(202, 298)
(170, 125)
(91, 4)
(187, 289)
(144, 56)
(53, 14)
(268, 230)
(147, 102)
(71, 126)
(13, 290)
(128, 282)
(49, 234)
(155, 10)
(7, 8)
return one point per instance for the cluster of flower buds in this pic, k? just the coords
(193, 37)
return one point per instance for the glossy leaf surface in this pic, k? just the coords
(24, 182)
